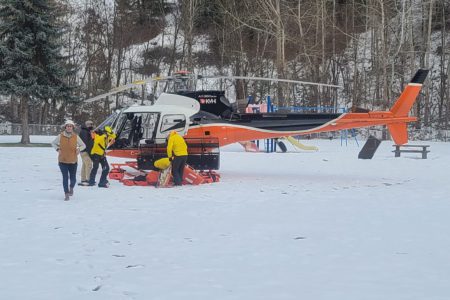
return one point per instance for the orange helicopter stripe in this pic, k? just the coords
(230, 133)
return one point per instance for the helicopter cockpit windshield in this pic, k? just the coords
(136, 128)
(111, 120)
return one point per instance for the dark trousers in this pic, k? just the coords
(68, 170)
(178, 164)
(96, 160)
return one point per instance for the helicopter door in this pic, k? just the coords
(136, 128)
(173, 122)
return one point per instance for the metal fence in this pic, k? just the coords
(35, 129)
(414, 134)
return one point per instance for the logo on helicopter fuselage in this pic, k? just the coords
(207, 101)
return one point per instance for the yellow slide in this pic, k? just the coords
(299, 145)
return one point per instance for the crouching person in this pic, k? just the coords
(68, 144)
(177, 154)
(102, 140)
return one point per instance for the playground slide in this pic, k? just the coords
(249, 146)
(299, 145)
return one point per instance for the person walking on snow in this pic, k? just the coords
(68, 144)
(177, 154)
(86, 137)
(102, 140)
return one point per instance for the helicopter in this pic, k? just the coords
(208, 121)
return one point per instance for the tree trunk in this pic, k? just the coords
(427, 104)
(24, 118)
(14, 109)
(280, 38)
(443, 82)
(44, 112)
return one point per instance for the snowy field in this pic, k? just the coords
(297, 225)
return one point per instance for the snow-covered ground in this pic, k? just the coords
(298, 225)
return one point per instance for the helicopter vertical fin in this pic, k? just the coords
(403, 106)
(409, 95)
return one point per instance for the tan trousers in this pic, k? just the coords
(86, 166)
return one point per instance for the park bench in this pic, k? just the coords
(411, 149)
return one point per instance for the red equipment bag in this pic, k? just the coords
(152, 177)
(116, 174)
(190, 176)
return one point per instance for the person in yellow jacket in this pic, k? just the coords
(177, 154)
(102, 140)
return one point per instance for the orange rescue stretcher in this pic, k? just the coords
(129, 174)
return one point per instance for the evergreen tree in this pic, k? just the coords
(31, 64)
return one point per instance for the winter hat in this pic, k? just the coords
(89, 123)
(69, 122)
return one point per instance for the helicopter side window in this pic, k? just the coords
(149, 126)
(173, 122)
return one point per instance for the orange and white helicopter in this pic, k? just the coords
(208, 121)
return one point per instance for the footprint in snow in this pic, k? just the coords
(135, 266)
(97, 288)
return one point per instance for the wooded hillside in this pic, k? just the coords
(370, 47)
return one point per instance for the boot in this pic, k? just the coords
(71, 191)
(66, 197)
(103, 185)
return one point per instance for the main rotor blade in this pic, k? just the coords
(272, 79)
(117, 90)
(126, 87)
